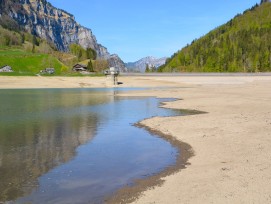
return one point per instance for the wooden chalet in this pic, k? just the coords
(79, 68)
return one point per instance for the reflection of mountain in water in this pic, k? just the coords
(38, 131)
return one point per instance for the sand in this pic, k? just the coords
(231, 142)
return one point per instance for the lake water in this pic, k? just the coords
(76, 145)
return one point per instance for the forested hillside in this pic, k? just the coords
(241, 45)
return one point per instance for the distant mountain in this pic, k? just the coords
(241, 45)
(58, 27)
(140, 65)
(115, 61)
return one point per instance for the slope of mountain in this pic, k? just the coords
(28, 63)
(115, 61)
(57, 26)
(140, 65)
(241, 45)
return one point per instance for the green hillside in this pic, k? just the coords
(241, 45)
(28, 63)
(28, 55)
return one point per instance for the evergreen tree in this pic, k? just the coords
(91, 54)
(35, 41)
(90, 66)
(147, 68)
(153, 68)
(22, 38)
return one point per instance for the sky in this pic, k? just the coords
(141, 28)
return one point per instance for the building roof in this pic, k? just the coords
(80, 66)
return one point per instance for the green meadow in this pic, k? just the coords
(28, 63)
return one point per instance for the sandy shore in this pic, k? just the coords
(231, 142)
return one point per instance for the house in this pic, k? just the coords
(48, 71)
(6, 68)
(79, 68)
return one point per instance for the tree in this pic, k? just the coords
(91, 54)
(22, 38)
(35, 41)
(147, 68)
(153, 68)
(78, 51)
(90, 66)
(33, 49)
(100, 65)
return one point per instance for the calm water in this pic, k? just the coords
(76, 145)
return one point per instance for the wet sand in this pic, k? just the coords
(231, 160)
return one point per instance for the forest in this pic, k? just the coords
(241, 45)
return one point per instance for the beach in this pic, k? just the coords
(231, 140)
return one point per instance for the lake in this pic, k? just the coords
(76, 145)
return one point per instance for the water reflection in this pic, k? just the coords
(40, 130)
(75, 146)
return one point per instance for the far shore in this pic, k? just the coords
(230, 143)
(130, 80)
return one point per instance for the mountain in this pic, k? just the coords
(115, 61)
(42, 19)
(140, 65)
(241, 45)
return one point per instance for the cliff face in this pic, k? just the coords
(57, 26)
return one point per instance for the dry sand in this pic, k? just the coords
(231, 142)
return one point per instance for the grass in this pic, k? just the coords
(25, 63)
(85, 62)
(28, 63)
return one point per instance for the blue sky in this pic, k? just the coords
(136, 29)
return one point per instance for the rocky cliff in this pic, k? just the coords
(140, 65)
(57, 26)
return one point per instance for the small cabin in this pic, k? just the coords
(79, 68)
(6, 68)
(48, 71)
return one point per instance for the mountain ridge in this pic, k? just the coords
(140, 65)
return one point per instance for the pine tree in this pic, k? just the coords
(90, 66)
(35, 41)
(147, 68)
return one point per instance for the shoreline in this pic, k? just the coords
(128, 81)
(130, 194)
(231, 144)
